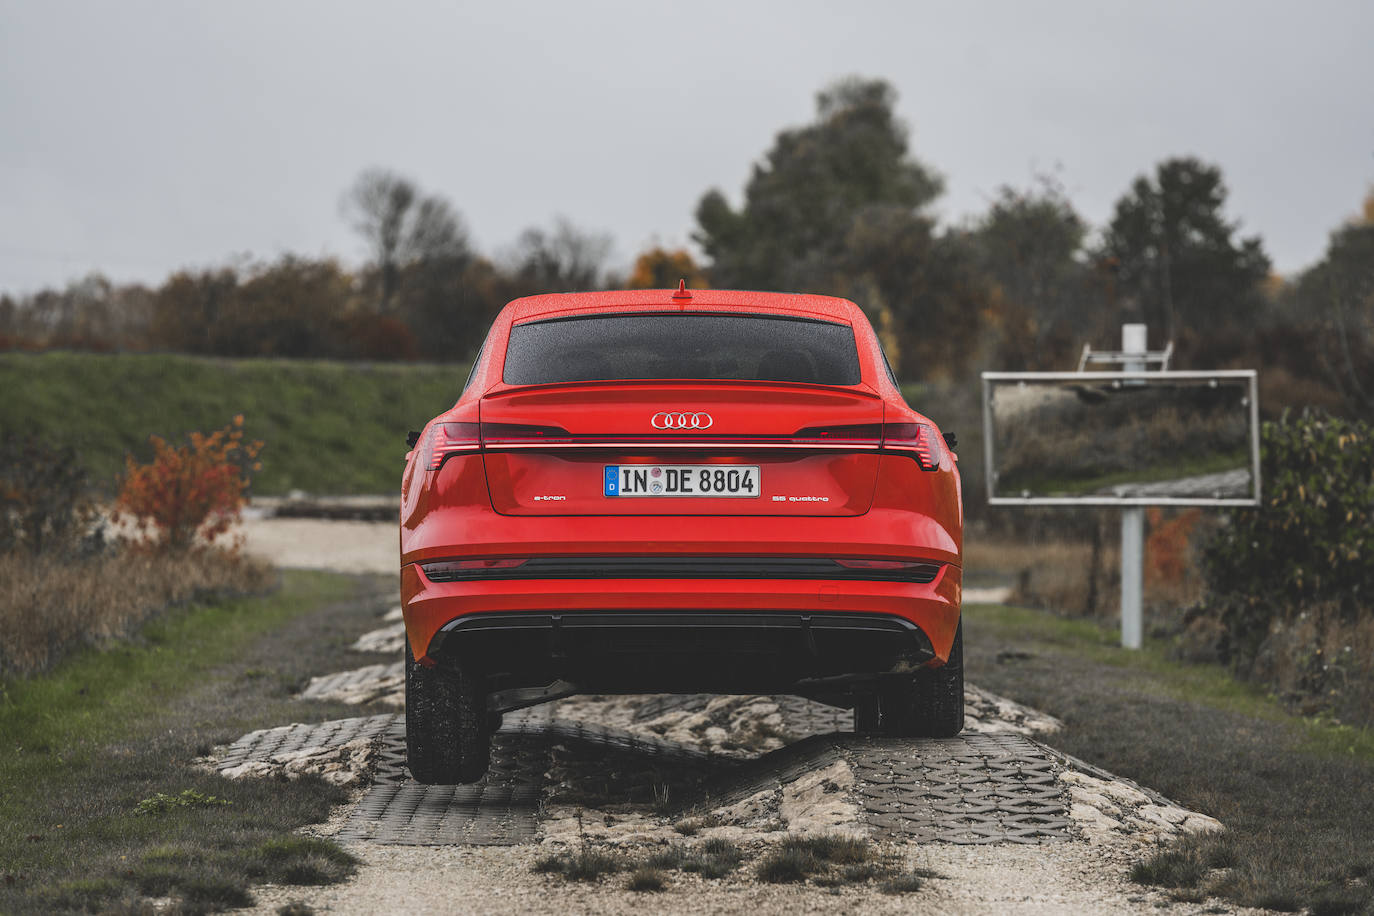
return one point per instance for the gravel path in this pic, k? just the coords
(1088, 874)
(1057, 879)
(347, 547)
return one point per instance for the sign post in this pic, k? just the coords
(1134, 353)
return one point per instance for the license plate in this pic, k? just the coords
(682, 480)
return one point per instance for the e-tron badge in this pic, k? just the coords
(698, 420)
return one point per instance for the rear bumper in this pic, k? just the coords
(448, 524)
(680, 633)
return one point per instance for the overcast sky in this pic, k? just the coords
(137, 138)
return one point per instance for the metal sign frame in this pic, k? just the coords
(1120, 378)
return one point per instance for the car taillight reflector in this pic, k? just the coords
(447, 439)
(881, 564)
(450, 570)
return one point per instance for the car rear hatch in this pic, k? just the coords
(681, 448)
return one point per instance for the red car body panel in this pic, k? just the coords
(514, 500)
(618, 412)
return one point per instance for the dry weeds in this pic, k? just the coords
(50, 606)
(1058, 575)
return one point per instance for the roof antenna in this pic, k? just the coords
(682, 292)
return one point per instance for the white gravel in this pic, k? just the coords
(390, 639)
(1117, 825)
(1053, 879)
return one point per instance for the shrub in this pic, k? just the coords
(903, 884)
(841, 850)
(591, 864)
(585, 865)
(646, 879)
(189, 492)
(1290, 585)
(44, 503)
(670, 858)
(786, 866)
(800, 857)
(1311, 541)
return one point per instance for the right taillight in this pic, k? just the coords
(916, 439)
(447, 439)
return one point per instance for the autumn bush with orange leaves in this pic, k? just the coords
(189, 495)
(65, 585)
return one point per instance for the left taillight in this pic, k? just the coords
(446, 439)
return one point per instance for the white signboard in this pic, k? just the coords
(1122, 438)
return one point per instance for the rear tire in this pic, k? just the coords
(929, 703)
(447, 737)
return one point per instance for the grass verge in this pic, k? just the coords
(52, 605)
(829, 861)
(330, 427)
(1283, 785)
(102, 807)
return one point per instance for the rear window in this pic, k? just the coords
(682, 346)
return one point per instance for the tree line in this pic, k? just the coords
(839, 205)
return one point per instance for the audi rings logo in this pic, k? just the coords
(665, 420)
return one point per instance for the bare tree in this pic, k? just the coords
(401, 226)
(561, 260)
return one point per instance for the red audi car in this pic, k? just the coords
(662, 491)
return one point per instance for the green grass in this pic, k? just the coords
(584, 865)
(1290, 790)
(798, 858)
(712, 860)
(330, 427)
(1157, 675)
(101, 804)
